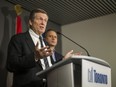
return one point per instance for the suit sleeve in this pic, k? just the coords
(19, 57)
(58, 57)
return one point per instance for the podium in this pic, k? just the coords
(78, 71)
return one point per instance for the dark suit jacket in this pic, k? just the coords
(20, 61)
(58, 57)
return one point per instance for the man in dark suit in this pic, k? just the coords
(52, 39)
(26, 55)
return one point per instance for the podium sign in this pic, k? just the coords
(95, 75)
(78, 71)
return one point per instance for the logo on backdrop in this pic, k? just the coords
(96, 77)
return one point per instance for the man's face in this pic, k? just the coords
(39, 23)
(51, 38)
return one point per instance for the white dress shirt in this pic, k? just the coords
(35, 39)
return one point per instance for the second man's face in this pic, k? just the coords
(39, 23)
(51, 38)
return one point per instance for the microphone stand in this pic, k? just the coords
(74, 42)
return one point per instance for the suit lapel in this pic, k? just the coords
(30, 41)
(31, 45)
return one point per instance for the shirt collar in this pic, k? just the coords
(33, 33)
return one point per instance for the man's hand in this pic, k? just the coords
(69, 54)
(43, 52)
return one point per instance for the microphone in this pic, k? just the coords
(74, 42)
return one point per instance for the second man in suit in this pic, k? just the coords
(51, 38)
